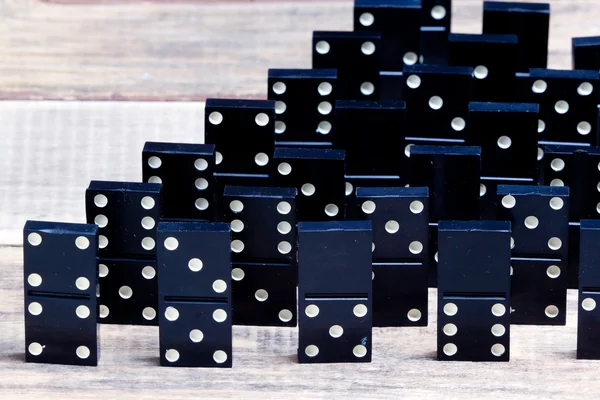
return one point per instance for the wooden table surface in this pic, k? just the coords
(184, 52)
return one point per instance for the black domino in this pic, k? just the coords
(400, 220)
(588, 319)
(437, 103)
(452, 174)
(263, 224)
(243, 132)
(60, 276)
(586, 52)
(357, 58)
(539, 217)
(577, 168)
(318, 175)
(568, 105)
(494, 59)
(194, 269)
(386, 123)
(529, 21)
(334, 292)
(186, 172)
(127, 214)
(399, 22)
(507, 134)
(304, 107)
(474, 291)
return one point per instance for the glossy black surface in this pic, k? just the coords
(334, 291)
(400, 223)
(529, 21)
(452, 175)
(588, 321)
(568, 104)
(385, 124)
(305, 105)
(186, 172)
(507, 134)
(494, 59)
(474, 291)
(127, 214)
(437, 101)
(324, 170)
(264, 294)
(357, 58)
(194, 271)
(586, 52)
(60, 278)
(243, 132)
(399, 23)
(118, 277)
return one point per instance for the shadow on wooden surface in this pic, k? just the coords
(190, 50)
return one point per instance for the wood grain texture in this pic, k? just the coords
(51, 150)
(190, 50)
(542, 365)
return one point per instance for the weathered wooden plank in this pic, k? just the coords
(51, 150)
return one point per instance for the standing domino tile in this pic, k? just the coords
(318, 174)
(437, 103)
(305, 100)
(494, 59)
(127, 214)
(263, 222)
(243, 132)
(586, 52)
(474, 291)
(399, 22)
(128, 291)
(334, 292)
(539, 217)
(452, 175)
(194, 269)
(588, 319)
(386, 123)
(577, 167)
(60, 272)
(507, 134)
(186, 173)
(355, 56)
(400, 218)
(529, 21)
(568, 105)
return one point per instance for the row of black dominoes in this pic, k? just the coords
(398, 247)
(194, 269)
(64, 299)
